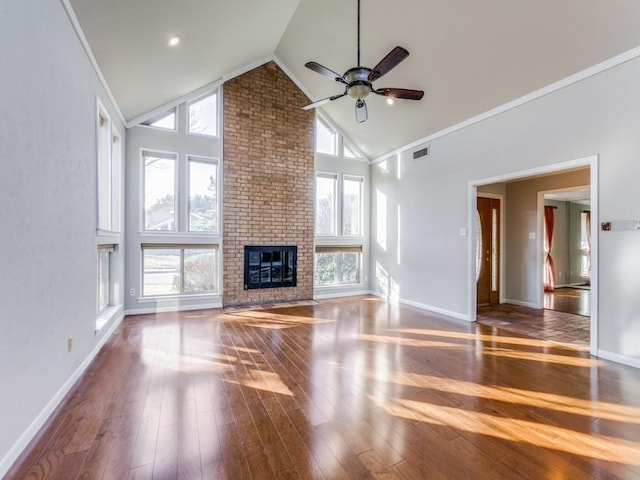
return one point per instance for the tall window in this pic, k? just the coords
(326, 203)
(103, 134)
(326, 138)
(203, 115)
(159, 191)
(352, 205)
(203, 195)
(179, 269)
(116, 180)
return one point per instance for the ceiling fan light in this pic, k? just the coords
(389, 101)
(358, 92)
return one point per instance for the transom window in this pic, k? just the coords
(326, 138)
(165, 121)
(203, 115)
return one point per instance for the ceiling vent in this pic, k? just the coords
(418, 154)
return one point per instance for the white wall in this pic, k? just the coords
(48, 215)
(599, 115)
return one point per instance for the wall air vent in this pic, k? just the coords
(424, 152)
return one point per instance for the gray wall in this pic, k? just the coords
(521, 270)
(48, 214)
(432, 195)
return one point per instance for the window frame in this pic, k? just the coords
(336, 137)
(176, 190)
(338, 249)
(166, 113)
(181, 247)
(336, 207)
(187, 195)
(104, 160)
(352, 178)
(217, 114)
(110, 250)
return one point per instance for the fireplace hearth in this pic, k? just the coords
(270, 266)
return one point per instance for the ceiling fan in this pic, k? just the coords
(358, 81)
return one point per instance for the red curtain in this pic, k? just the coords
(549, 271)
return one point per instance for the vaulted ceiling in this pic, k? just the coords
(468, 56)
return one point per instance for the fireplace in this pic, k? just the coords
(270, 266)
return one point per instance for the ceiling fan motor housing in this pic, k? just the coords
(359, 85)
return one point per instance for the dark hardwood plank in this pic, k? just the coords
(348, 388)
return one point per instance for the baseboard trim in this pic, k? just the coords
(16, 450)
(325, 295)
(430, 308)
(519, 303)
(622, 359)
(173, 308)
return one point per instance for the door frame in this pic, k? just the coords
(540, 234)
(592, 162)
(500, 197)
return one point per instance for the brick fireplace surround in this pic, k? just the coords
(268, 180)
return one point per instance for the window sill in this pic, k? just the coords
(107, 233)
(338, 285)
(106, 315)
(172, 298)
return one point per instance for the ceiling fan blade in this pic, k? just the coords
(323, 101)
(403, 93)
(361, 111)
(322, 70)
(393, 58)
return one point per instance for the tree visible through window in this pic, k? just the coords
(203, 195)
(203, 116)
(179, 270)
(159, 192)
(352, 205)
(326, 203)
(337, 265)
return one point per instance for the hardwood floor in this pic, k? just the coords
(569, 300)
(557, 327)
(347, 389)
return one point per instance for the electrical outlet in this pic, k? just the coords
(132, 292)
(69, 344)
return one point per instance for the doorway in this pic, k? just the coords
(523, 293)
(488, 224)
(567, 273)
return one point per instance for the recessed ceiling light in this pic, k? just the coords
(389, 101)
(175, 40)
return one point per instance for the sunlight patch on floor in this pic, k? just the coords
(595, 446)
